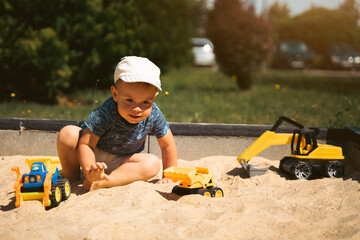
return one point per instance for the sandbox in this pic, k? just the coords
(271, 206)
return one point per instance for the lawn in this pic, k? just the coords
(202, 95)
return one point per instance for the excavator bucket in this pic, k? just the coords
(253, 170)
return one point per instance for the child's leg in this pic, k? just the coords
(138, 167)
(67, 144)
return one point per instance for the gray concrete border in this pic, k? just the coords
(21, 136)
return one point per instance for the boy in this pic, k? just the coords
(108, 145)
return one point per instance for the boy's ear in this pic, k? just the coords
(114, 93)
(157, 93)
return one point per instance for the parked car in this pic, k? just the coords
(203, 50)
(343, 56)
(292, 54)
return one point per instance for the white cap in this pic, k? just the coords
(137, 69)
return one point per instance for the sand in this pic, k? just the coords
(271, 206)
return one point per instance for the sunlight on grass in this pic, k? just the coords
(201, 95)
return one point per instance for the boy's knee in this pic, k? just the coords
(152, 165)
(69, 135)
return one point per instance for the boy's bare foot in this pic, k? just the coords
(90, 186)
(164, 181)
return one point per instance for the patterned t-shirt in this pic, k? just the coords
(117, 136)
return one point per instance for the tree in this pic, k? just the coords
(320, 27)
(166, 30)
(241, 39)
(350, 7)
(277, 14)
(199, 17)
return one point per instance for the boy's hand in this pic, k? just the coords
(96, 172)
(164, 181)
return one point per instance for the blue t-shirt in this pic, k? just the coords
(117, 136)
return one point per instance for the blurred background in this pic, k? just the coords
(222, 61)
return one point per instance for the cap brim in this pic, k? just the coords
(140, 78)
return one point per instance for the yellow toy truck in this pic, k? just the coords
(307, 156)
(42, 183)
(196, 180)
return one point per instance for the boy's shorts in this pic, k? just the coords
(112, 161)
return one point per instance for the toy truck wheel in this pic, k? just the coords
(179, 191)
(55, 196)
(204, 192)
(302, 170)
(65, 188)
(334, 169)
(216, 192)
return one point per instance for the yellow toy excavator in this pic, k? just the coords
(307, 156)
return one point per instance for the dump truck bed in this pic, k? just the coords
(51, 163)
(189, 177)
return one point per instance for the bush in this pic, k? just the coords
(56, 47)
(35, 65)
(241, 39)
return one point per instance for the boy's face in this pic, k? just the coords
(134, 100)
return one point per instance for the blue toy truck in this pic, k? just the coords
(42, 183)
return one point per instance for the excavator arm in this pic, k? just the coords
(267, 139)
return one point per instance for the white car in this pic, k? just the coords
(203, 50)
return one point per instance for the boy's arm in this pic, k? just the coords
(87, 160)
(168, 153)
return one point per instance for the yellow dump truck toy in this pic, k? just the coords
(42, 183)
(196, 180)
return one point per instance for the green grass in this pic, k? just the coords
(201, 95)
